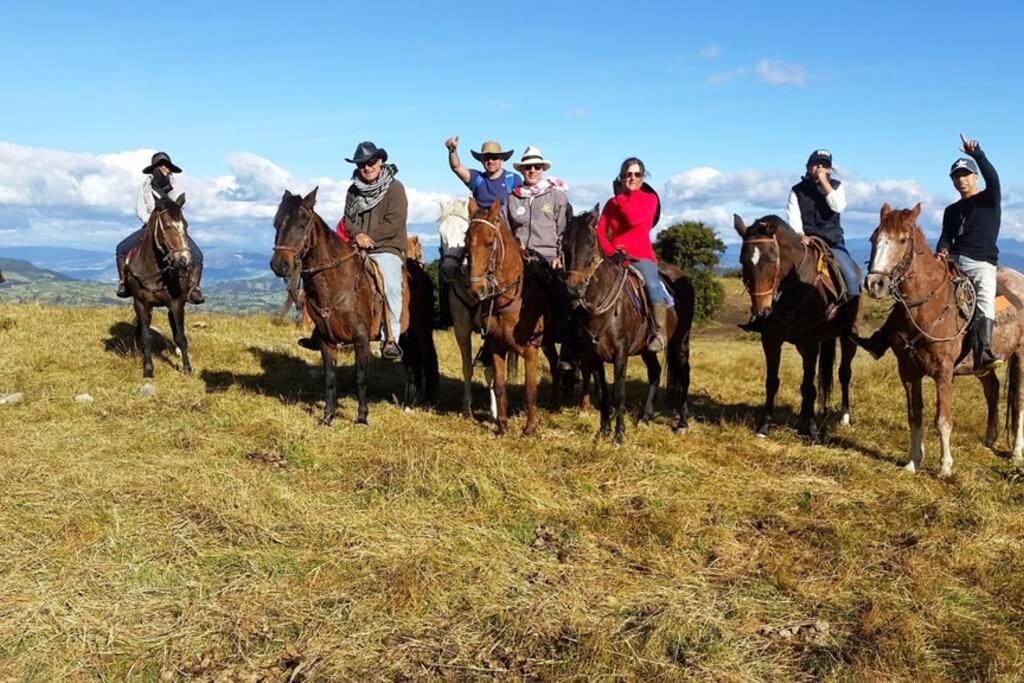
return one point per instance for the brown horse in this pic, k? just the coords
(512, 307)
(157, 274)
(926, 330)
(790, 299)
(613, 326)
(348, 307)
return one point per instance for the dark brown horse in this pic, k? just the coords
(926, 329)
(346, 305)
(791, 301)
(157, 274)
(512, 308)
(612, 325)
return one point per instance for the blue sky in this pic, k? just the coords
(731, 86)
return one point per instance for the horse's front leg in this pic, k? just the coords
(551, 353)
(681, 388)
(603, 398)
(944, 419)
(531, 357)
(1015, 406)
(327, 357)
(143, 315)
(176, 319)
(772, 348)
(915, 419)
(620, 365)
(653, 379)
(362, 348)
(990, 385)
(807, 425)
(464, 338)
(500, 407)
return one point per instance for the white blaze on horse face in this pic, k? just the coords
(887, 254)
(755, 256)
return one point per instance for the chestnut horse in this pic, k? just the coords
(512, 310)
(612, 327)
(157, 274)
(926, 330)
(346, 305)
(789, 298)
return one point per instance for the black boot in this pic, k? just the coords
(755, 324)
(122, 289)
(195, 295)
(483, 356)
(877, 344)
(984, 360)
(312, 342)
(848, 319)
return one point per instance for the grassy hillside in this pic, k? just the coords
(215, 532)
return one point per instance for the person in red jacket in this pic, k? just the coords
(625, 227)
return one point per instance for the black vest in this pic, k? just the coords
(819, 220)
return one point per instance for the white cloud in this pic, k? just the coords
(771, 71)
(723, 77)
(709, 52)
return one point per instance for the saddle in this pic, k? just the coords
(828, 270)
(373, 272)
(1007, 304)
(637, 291)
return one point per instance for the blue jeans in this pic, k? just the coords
(656, 291)
(849, 270)
(391, 270)
(132, 241)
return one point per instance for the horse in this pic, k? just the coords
(347, 305)
(933, 310)
(157, 274)
(791, 300)
(613, 325)
(512, 311)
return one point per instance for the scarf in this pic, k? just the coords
(161, 185)
(363, 196)
(545, 185)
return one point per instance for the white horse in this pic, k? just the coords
(452, 226)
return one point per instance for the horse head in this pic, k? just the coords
(486, 249)
(293, 224)
(894, 243)
(169, 228)
(581, 252)
(760, 261)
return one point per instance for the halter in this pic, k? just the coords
(160, 230)
(777, 277)
(495, 258)
(304, 245)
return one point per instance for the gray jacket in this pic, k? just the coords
(539, 222)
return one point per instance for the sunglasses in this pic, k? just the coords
(632, 174)
(534, 167)
(371, 162)
(491, 157)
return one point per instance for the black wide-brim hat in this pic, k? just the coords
(161, 158)
(367, 151)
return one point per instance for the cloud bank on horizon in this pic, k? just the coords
(59, 198)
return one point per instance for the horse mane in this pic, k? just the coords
(291, 204)
(762, 224)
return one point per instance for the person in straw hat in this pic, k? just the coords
(495, 183)
(158, 185)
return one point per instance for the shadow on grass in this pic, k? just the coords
(122, 342)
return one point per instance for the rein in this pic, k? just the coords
(495, 258)
(160, 246)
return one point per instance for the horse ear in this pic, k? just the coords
(310, 199)
(181, 200)
(740, 226)
(286, 195)
(473, 206)
(595, 215)
(492, 213)
(916, 211)
(886, 209)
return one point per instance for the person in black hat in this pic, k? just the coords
(970, 228)
(159, 185)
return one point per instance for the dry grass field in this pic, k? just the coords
(215, 532)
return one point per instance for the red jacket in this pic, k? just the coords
(626, 222)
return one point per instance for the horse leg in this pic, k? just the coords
(143, 314)
(847, 350)
(498, 398)
(464, 338)
(530, 356)
(944, 419)
(586, 368)
(772, 356)
(653, 379)
(680, 389)
(176, 319)
(412, 364)
(990, 385)
(620, 364)
(806, 425)
(603, 398)
(362, 347)
(1015, 406)
(551, 353)
(330, 384)
(915, 416)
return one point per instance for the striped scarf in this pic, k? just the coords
(363, 196)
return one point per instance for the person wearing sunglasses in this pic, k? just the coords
(624, 228)
(159, 185)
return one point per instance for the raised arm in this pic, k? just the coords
(454, 162)
(988, 171)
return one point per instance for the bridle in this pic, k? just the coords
(301, 251)
(495, 257)
(901, 271)
(160, 237)
(777, 275)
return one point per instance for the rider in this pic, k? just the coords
(159, 185)
(375, 214)
(537, 212)
(494, 184)
(970, 227)
(625, 227)
(813, 211)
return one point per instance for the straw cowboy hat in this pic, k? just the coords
(532, 156)
(158, 159)
(491, 149)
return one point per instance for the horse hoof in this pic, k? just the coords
(845, 420)
(762, 431)
(681, 431)
(1018, 460)
(529, 431)
(945, 473)
(326, 421)
(910, 467)
(619, 439)
(361, 422)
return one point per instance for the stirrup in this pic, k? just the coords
(122, 290)
(196, 296)
(391, 351)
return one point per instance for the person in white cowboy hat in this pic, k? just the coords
(537, 212)
(159, 185)
(495, 183)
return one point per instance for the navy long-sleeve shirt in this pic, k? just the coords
(970, 227)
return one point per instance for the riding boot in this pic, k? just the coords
(984, 359)
(312, 342)
(195, 295)
(483, 356)
(657, 340)
(122, 289)
(444, 318)
(848, 317)
(877, 344)
(755, 324)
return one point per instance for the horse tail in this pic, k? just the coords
(511, 366)
(826, 363)
(1013, 398)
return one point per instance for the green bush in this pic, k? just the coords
(695, 248)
